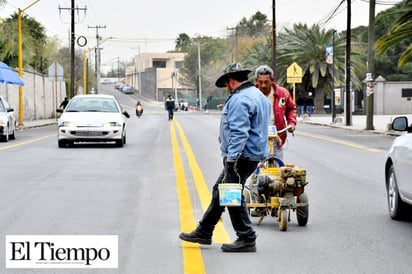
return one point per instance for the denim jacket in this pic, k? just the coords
(244, 124)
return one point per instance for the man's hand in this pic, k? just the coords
(231, 175)
(291, 129)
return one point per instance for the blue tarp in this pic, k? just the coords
(9, 76)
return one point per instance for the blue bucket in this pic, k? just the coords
(230, 194)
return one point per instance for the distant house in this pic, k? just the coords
(155, 75)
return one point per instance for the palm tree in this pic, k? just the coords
(306, 46)
(400, 31)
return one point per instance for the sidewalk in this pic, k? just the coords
(37, 123)
(381, 123)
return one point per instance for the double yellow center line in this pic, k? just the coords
(192, 255)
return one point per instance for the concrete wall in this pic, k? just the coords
(388, 98)
(40, 97)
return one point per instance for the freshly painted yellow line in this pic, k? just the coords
(27, 142)
(219, 234)
(192, 255)
(339, 142)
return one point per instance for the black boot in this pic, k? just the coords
(196, 237)
(240, 245)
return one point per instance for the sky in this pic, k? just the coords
(128, 27)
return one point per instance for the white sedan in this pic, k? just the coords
(92, 118)
(7, 121)
(398, 171)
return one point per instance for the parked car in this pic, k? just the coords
(7, 121)
(92, 118)
(119, 85)
(127, 90)
(398, 171)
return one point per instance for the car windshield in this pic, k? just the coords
(92, 105)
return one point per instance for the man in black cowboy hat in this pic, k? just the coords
(243, 143)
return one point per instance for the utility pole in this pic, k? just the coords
(72, 38)
(97, 64)
(72, 43)
(200, 77)
(274, 38)
(348, 113)
(371, 66)
(140, 74)
(235, 29)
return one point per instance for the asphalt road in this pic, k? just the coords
(139, 192)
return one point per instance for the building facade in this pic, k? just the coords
(155, 75)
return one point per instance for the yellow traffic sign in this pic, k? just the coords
(294, 73)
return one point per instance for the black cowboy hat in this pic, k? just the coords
(231, 70)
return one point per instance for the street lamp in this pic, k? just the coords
(20, 58)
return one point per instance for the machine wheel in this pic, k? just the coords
(283, 219)
(397, 208)
(302, 212)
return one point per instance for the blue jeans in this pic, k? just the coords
(309, 110)
(170, 112)
(238, 214)
(301, 110)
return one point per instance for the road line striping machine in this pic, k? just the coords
(276, 189)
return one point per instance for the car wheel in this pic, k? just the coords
(5, 137)
(397, 208)
(12, 136)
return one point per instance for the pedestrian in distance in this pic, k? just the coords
(309, 104)
(283, 107)
(170, 106)
(64, 103)
(139, 109)
(300, 103)
(243, 144)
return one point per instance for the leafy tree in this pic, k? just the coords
(213, 53)
(34, 41)
(64, 57)
(399, 33)
(257, 25)
(258, 54)
(384, 64)
(306, 47)
(183, 42)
